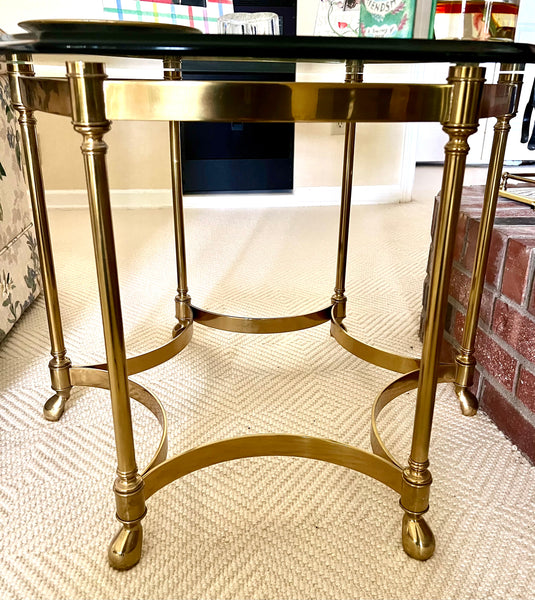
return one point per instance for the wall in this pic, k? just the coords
(138, 155)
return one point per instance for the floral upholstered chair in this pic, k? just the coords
(19, 262)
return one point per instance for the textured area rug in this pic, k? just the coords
(263, 527)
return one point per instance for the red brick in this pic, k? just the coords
(475, 386)
(498, 243)
(525, 388)
(447, 352)
(489, 354)
(515, 329)
(460, 290)
(473, 194)
(531, 305)
(516, 269)
(508, 419)
(471, 241)
(460, 235)
(487, 305)
(458, 326)
(450, 318)
(495, 360)
(510, 208)
(460, 286)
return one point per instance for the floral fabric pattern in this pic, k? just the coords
(19, 261)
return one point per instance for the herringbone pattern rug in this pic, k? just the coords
(264, 527)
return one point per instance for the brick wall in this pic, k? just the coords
(505, 345)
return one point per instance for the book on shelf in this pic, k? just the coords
(424, 19)
(376, 18)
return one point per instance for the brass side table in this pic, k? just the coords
(92, 101)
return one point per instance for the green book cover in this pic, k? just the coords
(387, 18)
(396, 18)
(376, 18)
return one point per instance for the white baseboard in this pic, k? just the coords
(314, 196)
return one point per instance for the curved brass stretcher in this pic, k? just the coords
(90, 100)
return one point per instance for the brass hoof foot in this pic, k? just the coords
(468, 402)
(125, 549)
(54, 407)
(417, 537)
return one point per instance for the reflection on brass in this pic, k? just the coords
(173, 72)
(380, 358)
(89, 119)
(49, 95)
(399, 386)
(467, 81)
(272, 445)
(516, 195)
(124, 551)
(275, 102)
(156, 357)
(91, 101)
(93, 377)
(260, 325)
(525, 177)
(354, 74)
(465, 360)
(416, 536)
(498, 99)
(20, 66)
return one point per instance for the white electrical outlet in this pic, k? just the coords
(338, 128)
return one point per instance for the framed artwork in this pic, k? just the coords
(202, 14)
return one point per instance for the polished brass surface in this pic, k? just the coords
(49, 95)
(463, 121)
(124, 551)
(498, 99)
(275, 102)
(405, 383)
(153, 358)
(260, 325)
(417, 538)
(466, 363)
(518, 197)
(20, 66)
(273, 445)
(354, 74)
(92, 101)
(525, 177)
(467, 81)
(380, 358)
(89, 119)
(173, 72)
(98, 378)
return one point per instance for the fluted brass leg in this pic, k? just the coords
(89, 118)
(21, 64)
(173, 71)
(465, 361)
(354, 73)
(467, 84)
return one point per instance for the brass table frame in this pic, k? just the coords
(91, 101)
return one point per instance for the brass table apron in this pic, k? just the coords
(91, 100)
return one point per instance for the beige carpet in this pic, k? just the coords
(265, 527)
